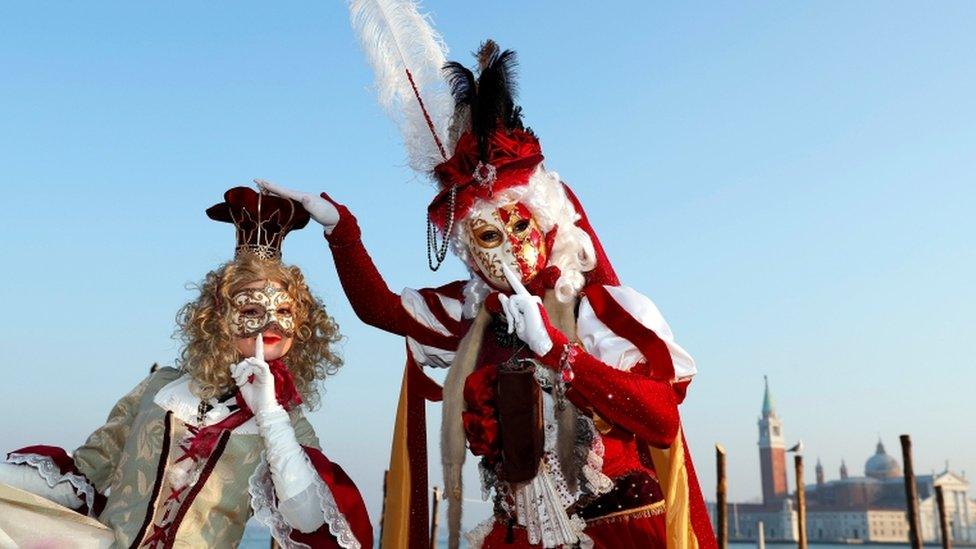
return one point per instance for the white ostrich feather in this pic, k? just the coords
(398, 38)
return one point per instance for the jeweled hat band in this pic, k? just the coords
(512, 158)
(261, 220)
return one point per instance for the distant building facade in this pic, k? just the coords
(866, 509)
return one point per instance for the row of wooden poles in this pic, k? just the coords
(721, 503)
(911, 497)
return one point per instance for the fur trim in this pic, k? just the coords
(453, 442)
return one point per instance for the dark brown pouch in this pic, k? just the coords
(520, 426)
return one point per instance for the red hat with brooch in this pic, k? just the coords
(493, 150)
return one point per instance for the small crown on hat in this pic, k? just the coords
(261, 220)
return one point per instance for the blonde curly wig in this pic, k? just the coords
(204, 329)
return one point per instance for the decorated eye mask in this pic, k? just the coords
(507, 236)
(257, 309)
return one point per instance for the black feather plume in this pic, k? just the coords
(491, 97)
(485, 53)
(462, 82)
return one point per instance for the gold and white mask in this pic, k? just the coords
(257, 309)
(507, 236)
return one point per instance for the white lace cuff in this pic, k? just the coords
(82, 490)
(267, 511)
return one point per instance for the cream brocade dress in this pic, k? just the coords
(127, 459)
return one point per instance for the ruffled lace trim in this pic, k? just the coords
(51, 473)
(597, 483)
(476, 536)
(177, 397)
(265, 507)
(541, 504)
(474, 292)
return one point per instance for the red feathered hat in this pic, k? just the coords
(511, 158)
(494, 151)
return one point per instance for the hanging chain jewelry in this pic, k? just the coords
(438, 251)
(202, 410)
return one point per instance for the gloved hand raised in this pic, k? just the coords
(525, 315)
(321, 210)
(254, 379)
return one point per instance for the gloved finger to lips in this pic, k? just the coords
(259, 347)
(514, 282)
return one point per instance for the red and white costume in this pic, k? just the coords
(563, 381)
(632, 378)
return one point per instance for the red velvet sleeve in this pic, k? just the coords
(630, 400)
(370, 297)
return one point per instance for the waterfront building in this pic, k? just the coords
(848, 509)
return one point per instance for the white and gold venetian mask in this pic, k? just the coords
(507, 236)
(257, 309)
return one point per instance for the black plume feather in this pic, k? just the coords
(491, 97)
(462, 82)
(495, 102)
(485, 53)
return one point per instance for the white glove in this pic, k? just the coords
(259, 394)
(293, 476)
(319, 208)
(524, 316)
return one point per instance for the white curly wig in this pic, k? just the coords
(545, 197)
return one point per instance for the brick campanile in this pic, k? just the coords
(772, 451)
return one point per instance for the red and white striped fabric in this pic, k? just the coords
(618, 351)
(436, 312)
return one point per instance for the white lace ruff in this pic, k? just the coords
(261, 489)
(540, 504)
(51, 474)
(177, 397)
(540, 507)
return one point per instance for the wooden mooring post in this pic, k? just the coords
(911, 494)
(721, 500)
(386, 478)
(434, 517)
(801, 503)
(760, 535)
(943, 519)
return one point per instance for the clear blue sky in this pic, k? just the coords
(791, 183)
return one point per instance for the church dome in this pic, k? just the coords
(881, 465)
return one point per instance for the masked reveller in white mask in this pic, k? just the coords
(562, 381)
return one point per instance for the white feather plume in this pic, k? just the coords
(397, 37)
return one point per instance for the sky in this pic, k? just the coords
(792, 184)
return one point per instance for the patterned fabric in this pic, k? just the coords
(131, 457)
(630, 380)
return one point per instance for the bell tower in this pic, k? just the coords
(772, 451)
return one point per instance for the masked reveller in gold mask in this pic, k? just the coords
(508, 236)
(260, 309)
(191, 453)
